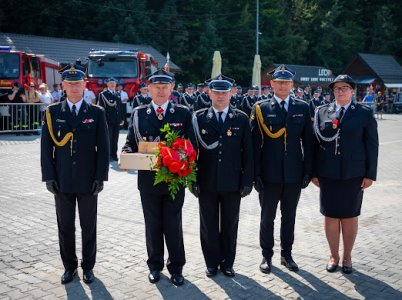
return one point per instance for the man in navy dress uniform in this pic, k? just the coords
(162, 214)
(225, 174)
(111, 102)
(188, 97)
(75, 163)
(282, 139)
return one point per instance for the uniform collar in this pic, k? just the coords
(164, 106)
(77, 105)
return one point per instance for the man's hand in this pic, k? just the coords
(366, 183)
(315, 181)
(52, 186)
(305, 181)
(121, 123)
(258, 184)
(245, 191)
(97, 187)
(196, 190)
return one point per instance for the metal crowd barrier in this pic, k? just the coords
(21, 117)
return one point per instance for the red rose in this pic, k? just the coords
(174, 167)
(178, 144)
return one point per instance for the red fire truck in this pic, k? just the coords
(127, 66)
(24, 68)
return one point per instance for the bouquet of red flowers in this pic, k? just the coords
(175, 162)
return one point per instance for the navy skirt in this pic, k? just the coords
(340, 198)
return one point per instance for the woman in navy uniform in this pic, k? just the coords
(162, 214)
(225, 174)
(345, 165)
(75, 162)
(282, 139)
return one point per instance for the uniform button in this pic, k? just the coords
(74, 151)
(220, 152)
(220, 137)
(219, 160)
(75, 140)
(74, 162)
(339, 153)
(220, 144)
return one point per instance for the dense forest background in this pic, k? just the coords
(324, 33)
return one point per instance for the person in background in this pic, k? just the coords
(18, 112)
(346, 152)
(124, 100)
(89, 96)
(45, 98)
(142, 97)
(57, 92)
(32, 96)
(379, 105)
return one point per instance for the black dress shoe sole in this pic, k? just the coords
(229, 274)
(88, 281)
(211, 274)
(265, 271)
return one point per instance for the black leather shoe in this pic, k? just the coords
(154, 276)
(289, 263)
(210, 272)
(331, 268)
(228, 272)
(265, 266)
(89, 276)
(68, 276)
(347, 270)
(177, 279)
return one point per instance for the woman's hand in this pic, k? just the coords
(366, 183)
(315, 181)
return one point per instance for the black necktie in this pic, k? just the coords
(220, 120)
(341, 113)
(74, 110)
(283, 103)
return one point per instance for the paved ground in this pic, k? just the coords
(30, 265)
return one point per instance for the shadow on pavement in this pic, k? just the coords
(74, 290)
(319, 289)
(99, 291)
(241, 287)
(186, 291)
(370, 287)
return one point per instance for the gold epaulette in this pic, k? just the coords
(68, 136)
(263, 127)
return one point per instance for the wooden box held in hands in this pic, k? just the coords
(143, 160)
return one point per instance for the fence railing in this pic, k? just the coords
(21, 117)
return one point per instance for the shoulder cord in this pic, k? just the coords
(318, 132)
(63, 142)
(198, 135)
(136, 129)
(107, 101)
(263, 127)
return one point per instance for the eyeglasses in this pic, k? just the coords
(342, 89)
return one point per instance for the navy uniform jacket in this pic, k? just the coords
(114, 112)
(179, 119)
(272, 162)
(188, 100)
(203, 101)
(75, 169)
(357, 152)
(141, 100)
(228, 167)
(247, 104)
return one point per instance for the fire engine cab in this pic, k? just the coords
(127, 66)
(24, 68)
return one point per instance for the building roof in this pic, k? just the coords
(384, 67)
(69, 50)
(313, 75)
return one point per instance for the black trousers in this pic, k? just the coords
(113, 139)
(288, 194)
(87, 211)
(219, 217)
(163, 220)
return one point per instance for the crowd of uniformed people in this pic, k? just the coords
(276, 140)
